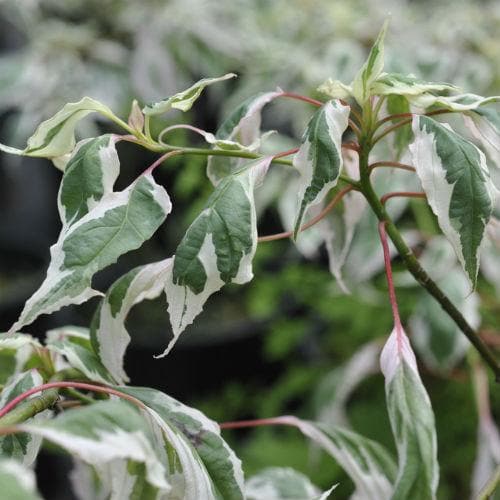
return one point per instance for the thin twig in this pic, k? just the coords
(401, 194)
(394, 164)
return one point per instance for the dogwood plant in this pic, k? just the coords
(136, 442)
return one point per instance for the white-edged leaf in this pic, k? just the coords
(241, 127)
(371, 69)
(210, 468)
(484, 125)
(319, 159)
(368, 464)
(457, 183)
(23, 447)
(107, 433)
(282, 483)
(183, 100)
(17, 482)
(459, 102)
(412, 420)
(335, 89)
(405, 85)
(109, 335)
(120, 222)
(90, 174)
(15, 352)
(72, 343)
(218, 247)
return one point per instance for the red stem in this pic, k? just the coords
(160, 160)
(74, 385)
(285, 153)
(395, 164)
(401, 194)
(388, 272)
(299, 97)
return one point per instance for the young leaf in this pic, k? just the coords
(371, 69)
(56, 136)
(484, 125)
(367, 463)
(89, 175)
(335, 89)
(319, 159)
(217, 248)
(282, 483)
(109, 336)
(120, 222)
(73, 344)
(221, 468)
(183, 100)
(403, 85)
(22, 447)
(242, 127)
(412, 420)
(17, 482)
(457, 183)
(402, 136)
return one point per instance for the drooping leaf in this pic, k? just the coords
(221, 468)
(282, 483)
(484, 124)
(89, 175)
(183, 100)
(319, 159)
(371, 69)
(412, 420)
(217, 248)
(72, 347)
(17, 482)
(459, 102)
(106, 432)
(368, 464)
(402, 136)
(120, 222)
(241, 127)
(404, 85)
(56, 136)
(457, 183)
(22, 447)
(109, 336)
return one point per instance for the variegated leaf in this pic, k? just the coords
(183, 100)
(319, 159)
(110, 434)
(402, 136)
(217, 248)
(109, 336)
(484, 124)
(120, 222)
(23, 447)
(282, 483)
(335, 89)
(368, 464)
(459, 102)
(15, 352)
(412, 420)
(210, 468)
(72, 344)
(371, 69)
(56, 136)
(457, 183)
(90, 174)
(404, 85)
(17, 482)
(241, 127)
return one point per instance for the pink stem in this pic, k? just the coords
(74, 385)
(241, 424)
(401, 194)
(160, 160)
(299, 97)
(199, 131)
(285, 153)
(390, 281)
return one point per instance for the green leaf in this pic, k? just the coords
(217, 248)
(89, 175)
(222, 469)
(371, 69)
(282, 483)
(183, 100)
(73, 343)
(110, 434)
(22, 447)
(17, 482)
(412, 421)
(404, 85)
(120, 222)
(15, 352)
(367, 463)
(457, 183)
(56, 136)
(109, 336)
(319, 159)
(242, 128)
(402, 136)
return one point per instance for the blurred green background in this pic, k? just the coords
(278, 345)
